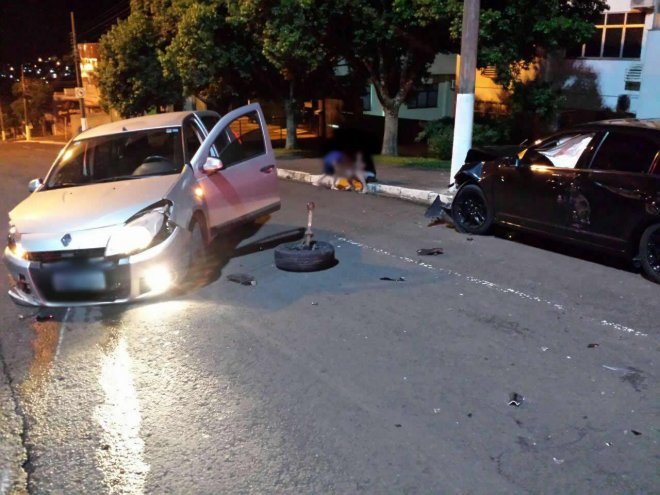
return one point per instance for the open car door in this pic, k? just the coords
(235, 166)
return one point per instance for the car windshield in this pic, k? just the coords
(562, 152)
(129, 155)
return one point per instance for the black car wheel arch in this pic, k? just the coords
(649, 252)
(471, 212)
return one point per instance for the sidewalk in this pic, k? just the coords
(415, 184)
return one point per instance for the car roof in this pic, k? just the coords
(652, 124)
(160, 120)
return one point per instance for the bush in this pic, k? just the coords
(439, 135)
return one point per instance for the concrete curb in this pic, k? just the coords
(421, 196)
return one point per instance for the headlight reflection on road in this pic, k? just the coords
(121, 453)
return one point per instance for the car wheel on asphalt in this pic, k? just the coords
(294, 257)
(470, 210)
(199, 250)
(649, 252)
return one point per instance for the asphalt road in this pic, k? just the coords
(337, 381)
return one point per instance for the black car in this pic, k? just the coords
(595, 184)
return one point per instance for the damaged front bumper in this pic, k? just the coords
(125, 279)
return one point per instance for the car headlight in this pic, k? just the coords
(14, 242)
(146, 229)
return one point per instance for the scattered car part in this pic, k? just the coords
(591, 346)
(242, 278)
(430, 251)
(308, 255)
(515, 399)
(390, 279)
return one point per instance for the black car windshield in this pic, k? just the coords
(124, 156)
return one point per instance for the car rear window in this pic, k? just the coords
(625, 152)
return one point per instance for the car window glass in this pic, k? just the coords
(562, 151)
(209, 121)
(625, 153)
(241, 140)
(192, 136)
(119, 156)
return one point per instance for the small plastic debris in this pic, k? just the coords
(636, 433)
(544, 348)
(470, 239)
(21, 317)
(591, 346)
(45, 317)
(558, 461)
(515, 399)
(469, 415)
(430, 251)
(608, 444)
(398, 425)
(242, 278)
(314, 303)
(390, 279)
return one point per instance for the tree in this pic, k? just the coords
(39, 96)
(217, 58)
(394, 42)
(131, 76)
(294, 37)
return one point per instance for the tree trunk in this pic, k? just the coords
(290, 111)
(391, 133)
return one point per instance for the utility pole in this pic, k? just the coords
(465, 99)
(2, 124)
(76, 60)
(28, 135)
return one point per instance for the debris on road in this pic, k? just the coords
(390, 279)
(591, 346)
(470, 238)
(558, 461)
(314, 303)
(430, 251)
(516, 399)
(242, 278)
(46, 317)
(636, 433)
(544, 348)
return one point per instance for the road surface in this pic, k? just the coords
(338, 381)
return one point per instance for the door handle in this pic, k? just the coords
(267, 169)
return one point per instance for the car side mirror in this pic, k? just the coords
(34, 184)
(212, 165)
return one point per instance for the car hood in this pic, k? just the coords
(88, 207)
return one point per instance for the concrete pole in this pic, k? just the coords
(465, 99)
(28, 134)
(76, 61)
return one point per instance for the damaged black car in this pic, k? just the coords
(597, 185)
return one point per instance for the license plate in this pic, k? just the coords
(79, 281)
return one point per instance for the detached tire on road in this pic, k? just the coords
(471, 212)
(293, 257)
(649, 252)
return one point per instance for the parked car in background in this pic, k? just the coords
(128, 209)
(596, 185)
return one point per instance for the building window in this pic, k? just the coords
(425, 96)
(618, 35)
(366, 100)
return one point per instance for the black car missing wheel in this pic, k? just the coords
(596, 185)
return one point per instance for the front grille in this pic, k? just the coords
(72, 255)
(118, 280)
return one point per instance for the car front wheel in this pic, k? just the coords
(649, 252)
(471, 212)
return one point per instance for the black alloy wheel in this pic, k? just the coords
(471, 211)
(649, 251)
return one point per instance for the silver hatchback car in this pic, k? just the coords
(127, 208)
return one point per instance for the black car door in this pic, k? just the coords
(532, 192)
(608, 201)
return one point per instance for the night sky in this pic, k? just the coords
(40, 28)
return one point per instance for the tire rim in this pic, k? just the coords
(472, 211)
(653, 251)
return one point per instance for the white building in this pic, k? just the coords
(623, 58)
